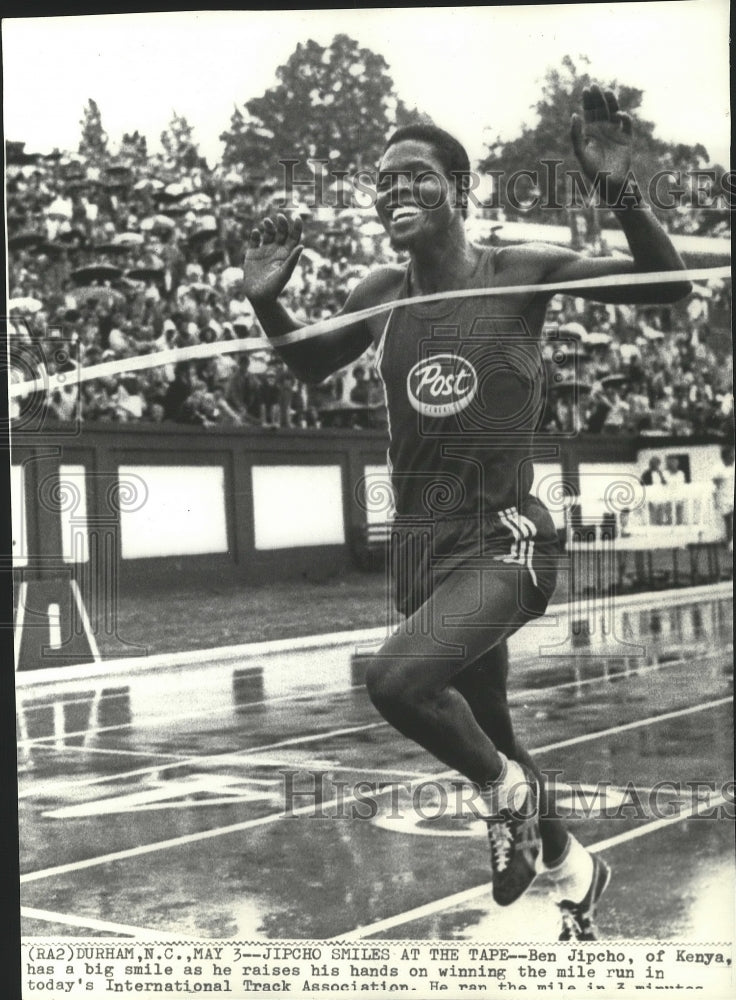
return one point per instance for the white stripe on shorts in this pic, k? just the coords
(522, 528)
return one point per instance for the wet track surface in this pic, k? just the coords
(222, 800)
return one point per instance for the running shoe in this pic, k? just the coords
(578, 919)
(514, 840)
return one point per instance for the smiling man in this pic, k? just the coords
(473, 553)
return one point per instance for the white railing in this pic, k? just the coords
(648, 517)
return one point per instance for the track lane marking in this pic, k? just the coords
(408, 916)
(192, 838)
(194, 760)
(144, 933)
(228, 707)
(109, 750)
(308, 693)
(234, 755)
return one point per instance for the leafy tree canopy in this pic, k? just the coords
(93, 140)
(179, 145)
(336, 103)
(549, 139)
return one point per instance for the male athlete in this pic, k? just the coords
(473, 554)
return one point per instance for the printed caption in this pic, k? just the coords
(105, 968)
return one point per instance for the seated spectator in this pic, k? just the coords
(96, 404)
(723, 479)
(199, 408)
(132, 403)
(269, 399)
(674, 475)
(242, 391)
(154, 384)
(653, 475)
(618, 414)
(154, 412)
(360, 393)
(288, 386)
(119, 398)
(224, 414)
(639, 409)
(178, 391)
(64, 404)
(662, 419)
(597, 408)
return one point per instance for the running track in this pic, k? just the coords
(152, 801)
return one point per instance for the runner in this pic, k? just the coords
(473, 553)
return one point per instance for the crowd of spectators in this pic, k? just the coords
(634, 370)
(114, 259)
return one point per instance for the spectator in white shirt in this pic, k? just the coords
(723, 479)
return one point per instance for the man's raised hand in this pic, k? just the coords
(602, 140)
(272, 254)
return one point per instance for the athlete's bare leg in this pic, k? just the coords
(411, 679)
(483, 685)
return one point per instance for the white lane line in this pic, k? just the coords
(104, 695)
(635, 725)
(309, 693)
(137, 665)
(613, 730)
(658, 824)
(226, 708)
(19, 621)
(303, 694)
(438, 905)
(56, 786)
(144, 933)
(385, 772)
(523, 693)
(86, 624)
(162, 845)
(110, 750)
(221, 831)
(429, 909)
(42, 706)
(609, 678)
(127, 666)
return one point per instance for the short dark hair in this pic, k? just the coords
(451, 154)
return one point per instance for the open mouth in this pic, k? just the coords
(405, 212)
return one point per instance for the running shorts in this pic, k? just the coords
(521, 540)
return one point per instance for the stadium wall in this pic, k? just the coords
(101, 512)
(182, 503)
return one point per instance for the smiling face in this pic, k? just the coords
(415, 199)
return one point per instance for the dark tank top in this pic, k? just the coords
(464, 384)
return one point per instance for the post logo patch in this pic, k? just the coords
(441, 385)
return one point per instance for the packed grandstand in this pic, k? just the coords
(121, 258)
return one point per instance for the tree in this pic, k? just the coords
(549, 140)
(134, 147)
(336, 103)
(93, 141)
(179, 144)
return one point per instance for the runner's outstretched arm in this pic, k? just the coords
(602, 141)
(270, 259)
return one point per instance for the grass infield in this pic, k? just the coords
(224, 613)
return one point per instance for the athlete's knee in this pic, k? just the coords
(477, 684)
(393, 685)
(385, 684)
